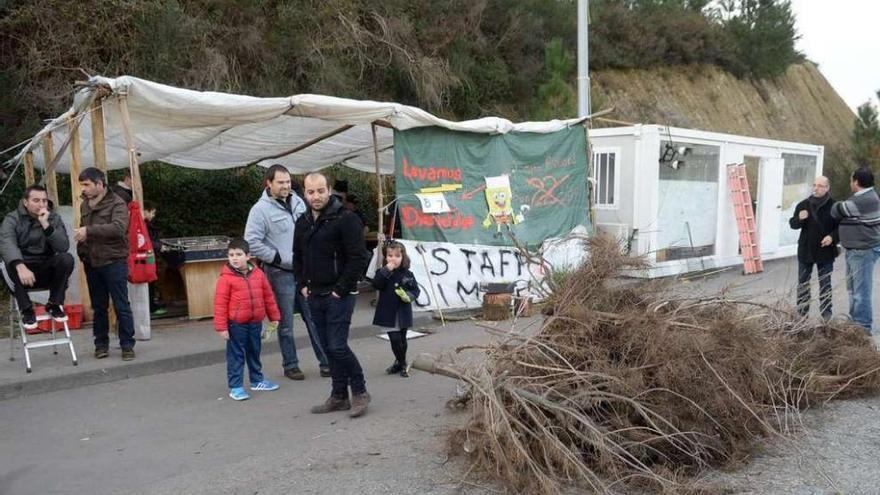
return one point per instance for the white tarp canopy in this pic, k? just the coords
(209, 130)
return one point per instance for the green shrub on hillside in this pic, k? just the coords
(866, 136)
(460, 59)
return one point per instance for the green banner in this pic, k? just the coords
(470, 188)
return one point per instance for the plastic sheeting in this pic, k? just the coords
(209, 130)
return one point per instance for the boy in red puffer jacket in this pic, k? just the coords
(242, 299)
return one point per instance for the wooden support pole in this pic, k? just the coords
(379, 190)
(76, 200)
(306, 144)
(136, 185)
(75, 165)
(98, 146)
(49, 168)
(28, 169)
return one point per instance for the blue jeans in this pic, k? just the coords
(805, 271)
(332, 317)
(301, 305)
(284, 288)
(859, 284)
(105, 282)
(242, 347)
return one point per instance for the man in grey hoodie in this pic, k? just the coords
(859, 230)
(269, 232)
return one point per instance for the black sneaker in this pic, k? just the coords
(325, 372)
(28, 319)
(57, 312)
(393, 369)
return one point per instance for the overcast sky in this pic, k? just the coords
(843, 37)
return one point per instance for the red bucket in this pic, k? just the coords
(74, 318)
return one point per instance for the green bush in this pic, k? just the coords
(194, 202)
(866, 136)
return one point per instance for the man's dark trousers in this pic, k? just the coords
(805, 271)
(52, 273)
(105, 282)
(332, 318)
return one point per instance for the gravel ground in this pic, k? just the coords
(835, 453)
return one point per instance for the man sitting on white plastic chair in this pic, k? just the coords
(33, 245)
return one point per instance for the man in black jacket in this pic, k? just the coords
(328, 259)
(817, 245)
(123, 187)
(34, 244)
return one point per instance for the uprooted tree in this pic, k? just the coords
(634, 384)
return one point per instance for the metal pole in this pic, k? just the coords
(583, 55)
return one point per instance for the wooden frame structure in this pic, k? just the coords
(95, 109)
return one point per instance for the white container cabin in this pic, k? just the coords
(664, 192)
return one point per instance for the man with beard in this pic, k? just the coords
(102, 245)
(269, 232)
(33, 244)
(328, 259)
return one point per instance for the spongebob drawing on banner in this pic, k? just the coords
(499, 196)
(454, 186)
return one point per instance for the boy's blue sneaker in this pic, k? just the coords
(238, 393)
(264, 386)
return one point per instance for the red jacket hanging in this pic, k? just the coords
(141, 259)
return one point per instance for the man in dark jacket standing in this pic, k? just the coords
(859, 226)
(328, 259)
(123, 187)
(269, 232)
(33, 244)
(102, 245)
(817, 245)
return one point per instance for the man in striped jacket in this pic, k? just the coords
(859, 230)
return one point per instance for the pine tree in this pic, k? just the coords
(764, 33)
(866, 136)
(556, 98)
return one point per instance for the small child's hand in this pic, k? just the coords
(270, 329)
(402, 295)
(224, 334)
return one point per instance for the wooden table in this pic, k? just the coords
(200, 279)
(200, 260)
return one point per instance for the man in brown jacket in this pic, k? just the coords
(102, 245)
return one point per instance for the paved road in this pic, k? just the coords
(178, 433)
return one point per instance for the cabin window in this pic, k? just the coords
(606, 173)
(687, 200)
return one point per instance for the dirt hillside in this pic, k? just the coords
(799, 106)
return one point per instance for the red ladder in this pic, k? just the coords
(745, 218)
